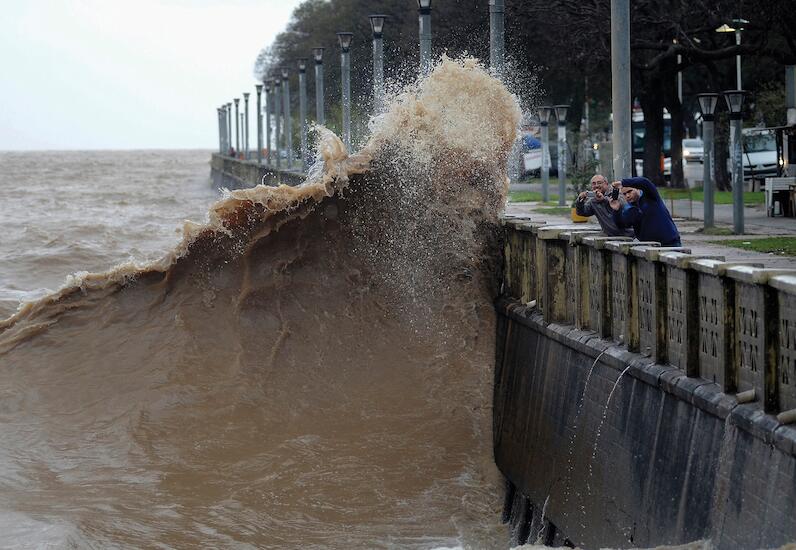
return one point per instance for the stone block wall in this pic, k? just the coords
(661, 416)
(235, 173)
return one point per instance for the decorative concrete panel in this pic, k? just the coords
(596, 289)
(647, 307)
(619, 294)
(713, 341)
(583, 282)
(786, 369)
(750, 337)
(570, 286)
(676, 317)
(525, 262)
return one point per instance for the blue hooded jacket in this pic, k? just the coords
(649, 217)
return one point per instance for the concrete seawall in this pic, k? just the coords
(235, 173)
(642, 397)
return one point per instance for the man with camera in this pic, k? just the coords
(644, 211)
(596, 203)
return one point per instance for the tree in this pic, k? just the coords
(560, 43)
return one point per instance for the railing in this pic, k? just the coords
(731, 324)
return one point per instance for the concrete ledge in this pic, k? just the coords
(683, 260)
(652, 253)
(717, 267)
(753, 275)
(625, 246)
(600, 242)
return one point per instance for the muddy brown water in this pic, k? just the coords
(309, 368)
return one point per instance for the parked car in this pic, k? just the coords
(759, 153)
(667, 167)
(693, 149)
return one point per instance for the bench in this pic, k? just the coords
(781, 189)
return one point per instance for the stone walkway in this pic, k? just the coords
(756, 224)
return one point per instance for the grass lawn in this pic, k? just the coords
(561, 210)
(531, 196)
(782, 246)
(719, 197)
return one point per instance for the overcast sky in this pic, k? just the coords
(114, 74)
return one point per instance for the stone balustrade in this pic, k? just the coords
(726, 323)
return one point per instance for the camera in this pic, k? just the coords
(615, 193)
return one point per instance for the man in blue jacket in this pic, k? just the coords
(645, 212)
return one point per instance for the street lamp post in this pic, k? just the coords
(424, 9)
(246, 125)
(237, 127)
(229, 127)
(320, 117)
(277, 114)
(259, 88)
(735, 105)
(497, 31)
(345, 39)
(544, 122)
(707, 104)
(679, 75)
(220, 131)
(561, 116)
(302, 66)
(288, 119)
(737, 27)
(377, 25)
(269, 102)
(620, 87)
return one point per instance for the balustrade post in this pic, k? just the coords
(785, 372)
(651, 277)
(682, 310)
(756, 334)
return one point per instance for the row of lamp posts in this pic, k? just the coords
(277, 93)
(277, 90)
(707, 104)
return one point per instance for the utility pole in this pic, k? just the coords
(620, 87)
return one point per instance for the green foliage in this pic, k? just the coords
(770, 103)
(719, 197)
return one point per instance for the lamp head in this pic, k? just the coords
(424, 6)
(317, 53)
(561, 113)
(285, 73)
(236, 100)
(707, 104)
(345, 39)
(734, 101)
(259, 88)
(377, 24)
(302, 64)
(544, 114)
(245, 96)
